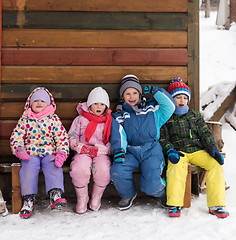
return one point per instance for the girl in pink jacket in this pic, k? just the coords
(89, 137)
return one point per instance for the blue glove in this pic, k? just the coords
(150, 89)
(119, 157)
(174, 155)
(218, 157)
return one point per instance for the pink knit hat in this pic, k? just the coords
(178, 87)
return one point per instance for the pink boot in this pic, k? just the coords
(82, 199)
(97, 193)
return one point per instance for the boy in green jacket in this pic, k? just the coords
(185, 138)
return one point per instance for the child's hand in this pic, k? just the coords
(102, 149)
(150, 89)
(174, 155)
(22, 154)
(119, 157)
(90, 150)
(59, 159)
(218, 157)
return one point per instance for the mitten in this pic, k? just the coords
(102, 149)
(174, 155)
(77, 146)
(90, 150)
(60, 158)
(150, 89)
(218, 157)
(22, 154)
(119, 157)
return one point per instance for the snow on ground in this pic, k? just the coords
(146, 220)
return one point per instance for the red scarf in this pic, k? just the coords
(94, 120)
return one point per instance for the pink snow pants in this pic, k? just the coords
(83, 166)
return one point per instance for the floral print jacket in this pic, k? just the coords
(45, 136)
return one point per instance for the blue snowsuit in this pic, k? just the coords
(136, 132)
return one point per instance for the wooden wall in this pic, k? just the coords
(73, 46)
(232, 14)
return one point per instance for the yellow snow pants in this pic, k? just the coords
(177, 173)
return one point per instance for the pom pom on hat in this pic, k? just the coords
(130, 81)
(42, 95)
(98, 95)
(178, 87)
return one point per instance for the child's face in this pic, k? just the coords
(181, 100)
(98, 109)
(131, 96)
(38, 106)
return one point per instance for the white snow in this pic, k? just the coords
(145, 219)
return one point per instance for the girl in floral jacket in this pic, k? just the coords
(39, 140)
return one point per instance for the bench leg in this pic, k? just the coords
(16, 193)
(187, 195)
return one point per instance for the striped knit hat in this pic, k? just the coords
(130, 81)
(178, 87)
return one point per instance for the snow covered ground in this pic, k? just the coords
(146, 220)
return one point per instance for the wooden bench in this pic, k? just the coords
(16, 192)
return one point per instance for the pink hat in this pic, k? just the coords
(178, 87)
(41, 94)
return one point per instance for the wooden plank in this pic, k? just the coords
(5, 149)
(93, 38)
(6, 128)
(229, 101)
(97, 5)
(193, 53)
(97, 20)
(95, 56)
(86, 74)
(61, 92)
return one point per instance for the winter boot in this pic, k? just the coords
(56, 201)
(174, 211)
(82, 199)
(126, 203)
(3, 207)
(219, 212)
(97, 193)
(28, 206)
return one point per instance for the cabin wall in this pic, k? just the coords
(72, 47)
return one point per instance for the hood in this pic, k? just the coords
(82, 107)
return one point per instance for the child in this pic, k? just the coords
(40, 141)
(89, 137)
(134, 140)
(185, 138)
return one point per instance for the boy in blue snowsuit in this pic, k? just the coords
(134, 140)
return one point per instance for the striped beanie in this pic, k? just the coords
(130, 81)
(178, 87)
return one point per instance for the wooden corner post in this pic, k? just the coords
(16, 192)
